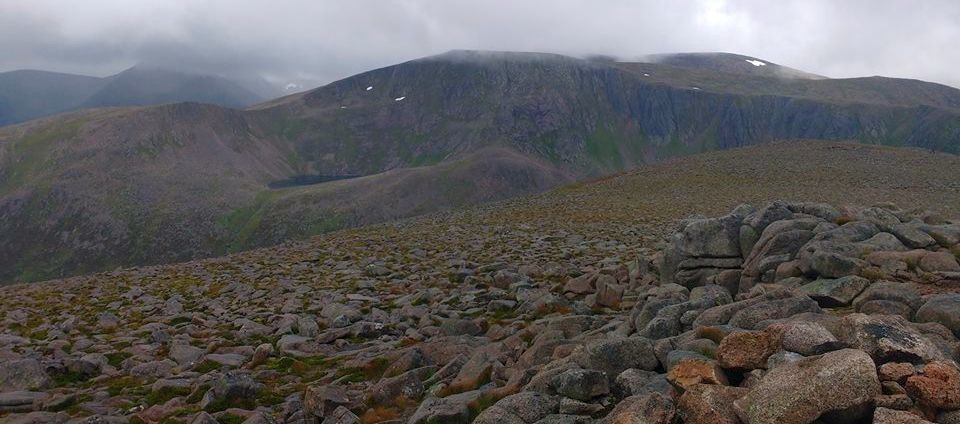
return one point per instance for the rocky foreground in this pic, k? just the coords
(786, 313)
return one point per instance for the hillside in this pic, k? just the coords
(475, 314)
(103, 188)
(30, 94)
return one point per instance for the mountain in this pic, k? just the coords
(731, 63)
(29, 94)
(498, 313)
(102, 188)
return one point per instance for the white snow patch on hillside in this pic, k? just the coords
(370, 88)
(755, 62)
(399, 98)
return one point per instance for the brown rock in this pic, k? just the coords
(583, 284)
(692, 371)
(709, 404)
(895, 371)
(938, 386)
(609, 293)
(748, 349)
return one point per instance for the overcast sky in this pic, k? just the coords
(317, 41)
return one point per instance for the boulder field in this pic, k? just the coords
(786, 313)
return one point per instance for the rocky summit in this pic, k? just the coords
(786, 312)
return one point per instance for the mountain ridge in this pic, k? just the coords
(191, 180)
(32, 94)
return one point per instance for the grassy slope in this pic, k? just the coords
(634, 211)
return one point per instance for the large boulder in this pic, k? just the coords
(800, 392)
(887, 338)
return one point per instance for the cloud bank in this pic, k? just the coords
(311, 42)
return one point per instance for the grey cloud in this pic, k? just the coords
(317, 41)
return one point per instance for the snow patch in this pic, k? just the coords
(399, 98)
(646, 75)
(370, 88)
(755, 62)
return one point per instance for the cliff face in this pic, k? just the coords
(103, 188)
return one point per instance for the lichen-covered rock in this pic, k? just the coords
(887, 338)
(830, 293)
(802, 391)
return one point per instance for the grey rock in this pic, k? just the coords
(341, 415)
(452, 409)
(582, 385)
(888, 290)
(751, 316)
(458, 327)
(527, 407)
(23, 374)
(633, 382)
(943, 309)
(616, 355)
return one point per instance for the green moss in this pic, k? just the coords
(230, 419)
(243, 223)
(603, 147)
(115, 359)
(68, 378)
(198, 393)
(121, 385)
(179, 320)
(165, 394)
(371, 371)
(207, 366)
